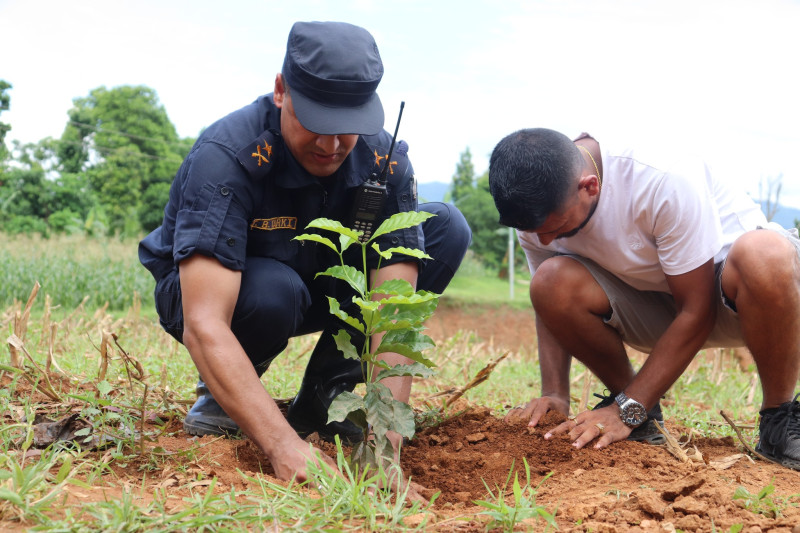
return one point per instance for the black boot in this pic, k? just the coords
(328, 374)
(206, 417)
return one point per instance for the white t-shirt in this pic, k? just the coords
(657, 214)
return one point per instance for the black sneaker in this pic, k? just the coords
(206, 417)
(647, 432)
(779, 434)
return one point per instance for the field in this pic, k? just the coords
(93, 396)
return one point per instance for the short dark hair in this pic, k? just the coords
(531, 173)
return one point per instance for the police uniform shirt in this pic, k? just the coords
(240, 193)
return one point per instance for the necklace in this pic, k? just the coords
(599, 177)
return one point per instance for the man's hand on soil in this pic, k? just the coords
(603, 424)
(535, 410)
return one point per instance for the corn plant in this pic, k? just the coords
(393, 309)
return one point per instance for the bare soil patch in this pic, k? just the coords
(626, 487)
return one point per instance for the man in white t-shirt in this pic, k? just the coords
(655, 252)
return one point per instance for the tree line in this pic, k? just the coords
(110, 171)
(108, 174)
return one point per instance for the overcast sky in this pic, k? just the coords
(719, 76)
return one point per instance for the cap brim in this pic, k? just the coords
(366, 119)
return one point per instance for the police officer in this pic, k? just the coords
(233, 286)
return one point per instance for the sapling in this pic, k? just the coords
(394, 309)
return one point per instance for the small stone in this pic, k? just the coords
(474, 438)
(683, 487)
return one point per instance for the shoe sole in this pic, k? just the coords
(785, 462)
(653, 437)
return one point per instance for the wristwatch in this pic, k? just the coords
(631, 412)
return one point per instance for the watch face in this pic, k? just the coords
(633, 413)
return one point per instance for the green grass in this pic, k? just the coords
(474, 284)
(74, 270)
(144, 369)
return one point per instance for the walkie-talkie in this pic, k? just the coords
(371, 195)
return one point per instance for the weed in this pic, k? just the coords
(26, 490)
(524, 505)
(763, 502)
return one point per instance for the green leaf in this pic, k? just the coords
(402, 317)
(316, 238)
(369, 305)
(336, 310)
(334, 226)
(412, 252)
(342, 340)
(104, 387)
(406, 219)
(378, 402)
(516, 488)
(357, 280)
(83, 432)
(359, 418)
(385, 255)
(403, 419)
(65, 469)
(408, 343)
(345, 241)
(395, 286)
(11, 496)
(372, 318)
(414, 299)
(415, 369)
(343, 405)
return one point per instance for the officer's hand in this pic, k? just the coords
(535, 410)
(292, 461)
(604, 424)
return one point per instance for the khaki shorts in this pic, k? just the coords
(642, 317)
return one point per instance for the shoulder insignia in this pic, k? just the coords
(259, 156)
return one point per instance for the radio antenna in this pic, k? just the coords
(391, 146)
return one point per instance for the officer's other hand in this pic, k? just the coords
(293, 462)
(534, 410)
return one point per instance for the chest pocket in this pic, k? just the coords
(272, 230)
(271, 236)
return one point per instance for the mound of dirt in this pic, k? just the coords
(626, 487)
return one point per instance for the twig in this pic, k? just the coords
(141, 421)
(14, 370)
(17, 343)
(23, 324)
(479, 378)
(741, 439)
(672, 445)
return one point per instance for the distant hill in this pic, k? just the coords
(432, 191)
(785, 216)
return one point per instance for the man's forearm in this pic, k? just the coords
(554, 364)
(670, 356)
(231, 378)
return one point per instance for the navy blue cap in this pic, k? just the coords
(333, 70)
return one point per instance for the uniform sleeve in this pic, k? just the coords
(212, 218)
